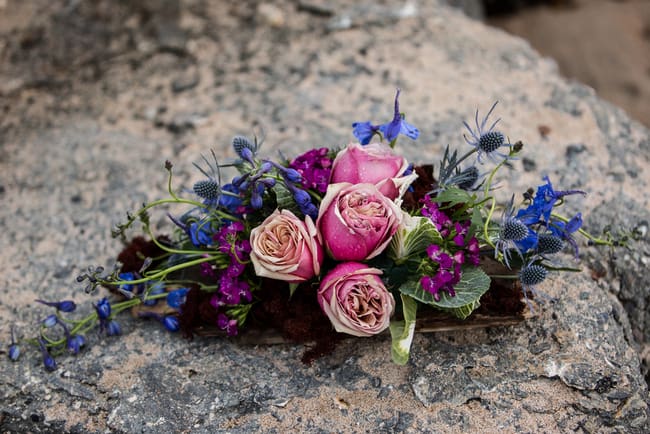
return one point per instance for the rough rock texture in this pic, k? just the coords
(96, 95)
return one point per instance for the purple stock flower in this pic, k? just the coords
(227, 324)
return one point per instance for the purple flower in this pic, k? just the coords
(364, 131)
(315, 167)
(227, 324)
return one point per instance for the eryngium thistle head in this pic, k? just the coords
(239, 143)
(468, 177)
(514, 230)
(491, 141)
(532, 275)
(549, 244)
(207, 189)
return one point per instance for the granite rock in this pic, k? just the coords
(85, 141)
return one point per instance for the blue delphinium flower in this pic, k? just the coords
(171, 323)
(103, 308)
(199, 233)
(398, 125)
(62, 306)
(113, 328)
(364, 131)
(14, 349)
(176, 297)
(74, 343)
(48, 360)
(50, 321)
(545, 199)
(565, 230)
(486, 141)
(513, 235)
(156, 288)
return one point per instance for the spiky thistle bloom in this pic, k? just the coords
(486, 141)
(210, 188)
(530, 276)
(513, 235)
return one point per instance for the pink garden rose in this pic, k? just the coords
(285, 248)
(356, 222)
(355, 299)
(375, 163)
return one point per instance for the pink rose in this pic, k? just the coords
(356, 222)
(375, 163)
(355, 299)
(285, 248)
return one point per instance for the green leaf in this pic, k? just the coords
(454, 196)
(292, 288)
(413, 237)
(464, 311)
(473, 284)
(402, 332)
(284, 199)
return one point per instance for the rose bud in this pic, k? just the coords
(355, 299)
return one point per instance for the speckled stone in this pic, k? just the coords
(84, 137)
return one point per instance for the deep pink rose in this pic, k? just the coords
(286, 248)
(355, 299)
(356, 222)
(375, 163)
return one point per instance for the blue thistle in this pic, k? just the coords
(210, 188)
(486, 141)
(530, 276)
(513, 235)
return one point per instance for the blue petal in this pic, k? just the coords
(528, 243)
(409, 130)
(574, 224)
(364, 131)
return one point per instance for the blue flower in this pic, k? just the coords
(50, 321)
(177, 297)
(14, 349)
(364, 131)
(398, 125)
(128, 276)
(75, 343)
(565, 230)
(113, 328)
(199, 234)
(530, 276)
(157, 288)
(63, 306)
(546, 198)
(103, 308)
(514, 234)
(171, 323)
(486, 141)
(230, 198)
(48, 360)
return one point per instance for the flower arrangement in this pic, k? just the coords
(335, 241)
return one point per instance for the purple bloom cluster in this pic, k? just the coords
(458, 248)
(315, 167)
(233, 288)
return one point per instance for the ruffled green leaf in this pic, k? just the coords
(473, 284)
(284, 199)
(413, 237)
(402, 332)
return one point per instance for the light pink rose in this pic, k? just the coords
(356, 222)
(286, 248)
(355, 299)
(375, 163)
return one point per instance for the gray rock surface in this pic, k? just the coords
(97, 95)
